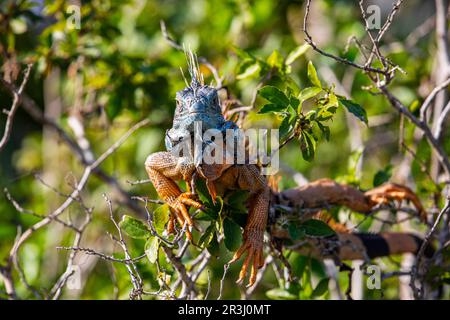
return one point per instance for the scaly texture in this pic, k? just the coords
(199, 104)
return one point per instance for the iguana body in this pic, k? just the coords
(199, 102)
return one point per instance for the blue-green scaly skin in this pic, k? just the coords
(196, 103)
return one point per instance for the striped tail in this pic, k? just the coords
(366, 245)
(356, 246)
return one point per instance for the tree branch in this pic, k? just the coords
(17, 96)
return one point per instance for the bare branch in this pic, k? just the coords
(426, 104)
(418, 292)
(22, 210)
(188, 283)
(144, 181)
(384, 28)
(437, 147)
(17, 96)
(30, 106)
(102, 256)
(131, 267)
(5, 273)
(339, 59)
(440, 123)
(74, 195)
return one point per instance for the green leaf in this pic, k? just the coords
(243, 54)
(308, 146)
(295, 232)
(160, 218)
(251, 70)
(218, 207)
(240, 217)
(134, 228)
(297, 53)
(299, 264)
(288, 124)
(325, 114)
(233, 235)
(280, 294)
(294, 103)
(214, 248)
(275, 60)
(212, 212)
(320, 289)
(305, 292)
(312, 75)
(308, 93)
(207, 236)
(271, 107)
(202, 190)
(332, 101)
(151, 249)
(382, 176)
(274, 95)
(355, 109)
(325, 130)
(317, 228)
(236, 200)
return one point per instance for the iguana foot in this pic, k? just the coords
(390, 191)
(180, 211)
(253, 244)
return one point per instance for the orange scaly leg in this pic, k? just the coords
(250, 179)
(164, 169)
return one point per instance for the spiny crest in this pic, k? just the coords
(194, 69)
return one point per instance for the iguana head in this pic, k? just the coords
(196, 102)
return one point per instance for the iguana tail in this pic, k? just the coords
(366, 245)
(355, 246)
(347, 245)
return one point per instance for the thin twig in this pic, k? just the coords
(103, 256)
(418, 292)
(426, 104)
(17, 96)
(339, 59)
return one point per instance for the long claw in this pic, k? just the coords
(177, 216)
(254, 259)
(181, 207)
(189, 235)
(259, 259)
(254, 270)
(192, 203)
(237, 255)
(244, 268)
(394, 192)
(171, 224)
(180, 212)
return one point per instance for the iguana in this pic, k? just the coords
(200, 102)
